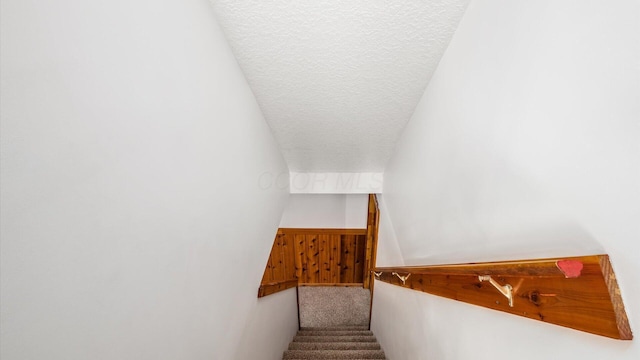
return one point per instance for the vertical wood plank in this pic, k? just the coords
(313, 270)
(288, 251)
(347, 259)
(324, 250)
(343, 258)
(335, 258)
(268, 271)
(267, 276)
(300, 245)
(351, 259)
(277, 263)
(359, 258)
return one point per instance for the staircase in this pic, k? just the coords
(342, 342)
(335, 325)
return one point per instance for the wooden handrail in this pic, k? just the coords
(576, 292)
(534, 268)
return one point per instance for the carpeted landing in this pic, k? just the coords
(341, 342)
(323, 306)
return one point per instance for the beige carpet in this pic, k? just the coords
(347, 342)
(331, 306)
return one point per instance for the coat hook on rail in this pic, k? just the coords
(506, 290)
(402, 278)
(377, 274)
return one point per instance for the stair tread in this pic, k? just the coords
(335, 333)
(369, 338)
(334, 346)
(328, 328)
(334, 354)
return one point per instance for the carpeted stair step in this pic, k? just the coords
(333, 354)
(335, 326)
(339, 328)
(335, 333)
(334, 339)
(334, 343)
(334, 346)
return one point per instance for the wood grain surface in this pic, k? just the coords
(549, 290)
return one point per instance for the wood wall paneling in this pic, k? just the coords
(321, 256)
(327, 257)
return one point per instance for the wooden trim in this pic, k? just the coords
(373, 222)
(576, 292)
(376, 227)
(308, 231)
(277, 286)
(369, 245)
(373, 218)
(333, 284)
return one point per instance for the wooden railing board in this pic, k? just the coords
(274, 287)
(310, 231)
(334, 284)
(543, 290)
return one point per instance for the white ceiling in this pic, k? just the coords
(338, 80)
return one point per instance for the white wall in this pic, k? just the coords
(327, 211)
(525, 144)
(269, 314)
(388, 248)
(133, 222)
(356, 211)
(334, 183)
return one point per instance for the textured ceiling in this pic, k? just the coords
(338, 80)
